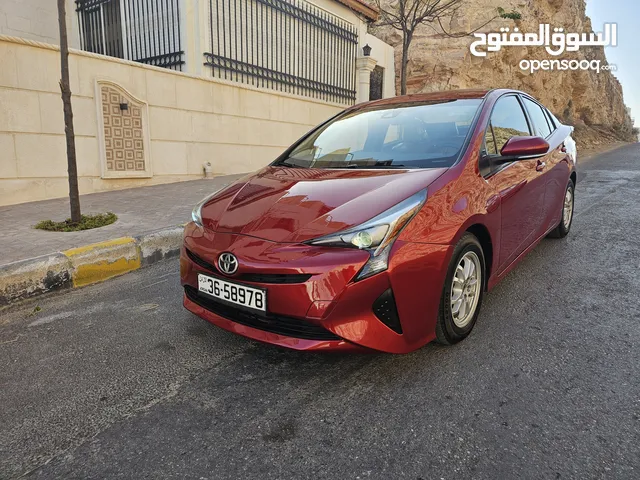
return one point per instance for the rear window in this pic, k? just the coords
(415, 135)
(540, 121)
(552, 124)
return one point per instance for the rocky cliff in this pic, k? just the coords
(591, 101)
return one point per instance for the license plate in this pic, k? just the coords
(233, 293)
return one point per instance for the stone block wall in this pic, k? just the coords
(191, 120)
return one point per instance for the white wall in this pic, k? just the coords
(191, 120)
(192, 117)
(37, 20)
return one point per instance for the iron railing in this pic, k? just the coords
(286, 45)
(146, 31)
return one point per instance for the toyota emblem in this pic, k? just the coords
(228, 263)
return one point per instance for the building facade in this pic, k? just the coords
(35, 20)
(167, 90)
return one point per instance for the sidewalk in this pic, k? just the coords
(148, 229)
(139, 210)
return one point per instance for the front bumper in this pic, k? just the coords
(328, 311)
(266, 336)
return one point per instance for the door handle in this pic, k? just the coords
(540, 166)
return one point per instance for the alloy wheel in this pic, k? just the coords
(567, 210)
(465, 289)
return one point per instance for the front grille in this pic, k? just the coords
(199, 261)
(276, 278)
(279, 324)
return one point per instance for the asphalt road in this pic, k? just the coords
(118, 381)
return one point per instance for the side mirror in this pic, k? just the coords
(524, 147)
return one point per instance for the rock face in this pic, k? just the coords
(582, 98)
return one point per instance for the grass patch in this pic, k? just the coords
(88, 222)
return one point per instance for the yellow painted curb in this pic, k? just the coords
(101, 261)
(86, 265)
(96, 246)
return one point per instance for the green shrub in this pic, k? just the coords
(513, 15)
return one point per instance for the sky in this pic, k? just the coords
(626, 56)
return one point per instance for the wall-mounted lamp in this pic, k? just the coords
(366, 50)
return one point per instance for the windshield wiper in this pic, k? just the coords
(356, 166)
(284, 163)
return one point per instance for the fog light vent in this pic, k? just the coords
(385, 309)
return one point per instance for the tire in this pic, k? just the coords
(453, 326)
(563, 228)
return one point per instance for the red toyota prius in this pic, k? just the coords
(383, 227)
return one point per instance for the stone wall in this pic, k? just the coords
(579, 97)
(37, 20)
(190, 120)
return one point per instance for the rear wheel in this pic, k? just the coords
(463, 291)
(562, 230)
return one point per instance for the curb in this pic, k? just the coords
(86, 265)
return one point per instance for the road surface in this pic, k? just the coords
(119, 381)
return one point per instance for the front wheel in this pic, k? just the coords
(463, 291)
(562, 230)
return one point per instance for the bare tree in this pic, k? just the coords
(406, 15)
(74, 197)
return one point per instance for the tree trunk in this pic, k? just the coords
(407, 36)
(74, 197)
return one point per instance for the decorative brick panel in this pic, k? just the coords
(123, 131)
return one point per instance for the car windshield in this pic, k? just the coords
(413, 135)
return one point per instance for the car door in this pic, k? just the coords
(518, 184)
(550, 166)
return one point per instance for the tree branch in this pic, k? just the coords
(464, 34)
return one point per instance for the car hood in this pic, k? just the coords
(285, 204)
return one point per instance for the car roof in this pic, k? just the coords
(443, 95)
(423, 97)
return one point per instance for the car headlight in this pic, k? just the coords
(196, 213)
(376, 235)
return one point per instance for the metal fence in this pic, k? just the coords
(146, 31)
(286, 45)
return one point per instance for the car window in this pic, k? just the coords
(409, 135)
(552, 123)
(489, 141)
(508, 120)
(539, 118)
(555, 119)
